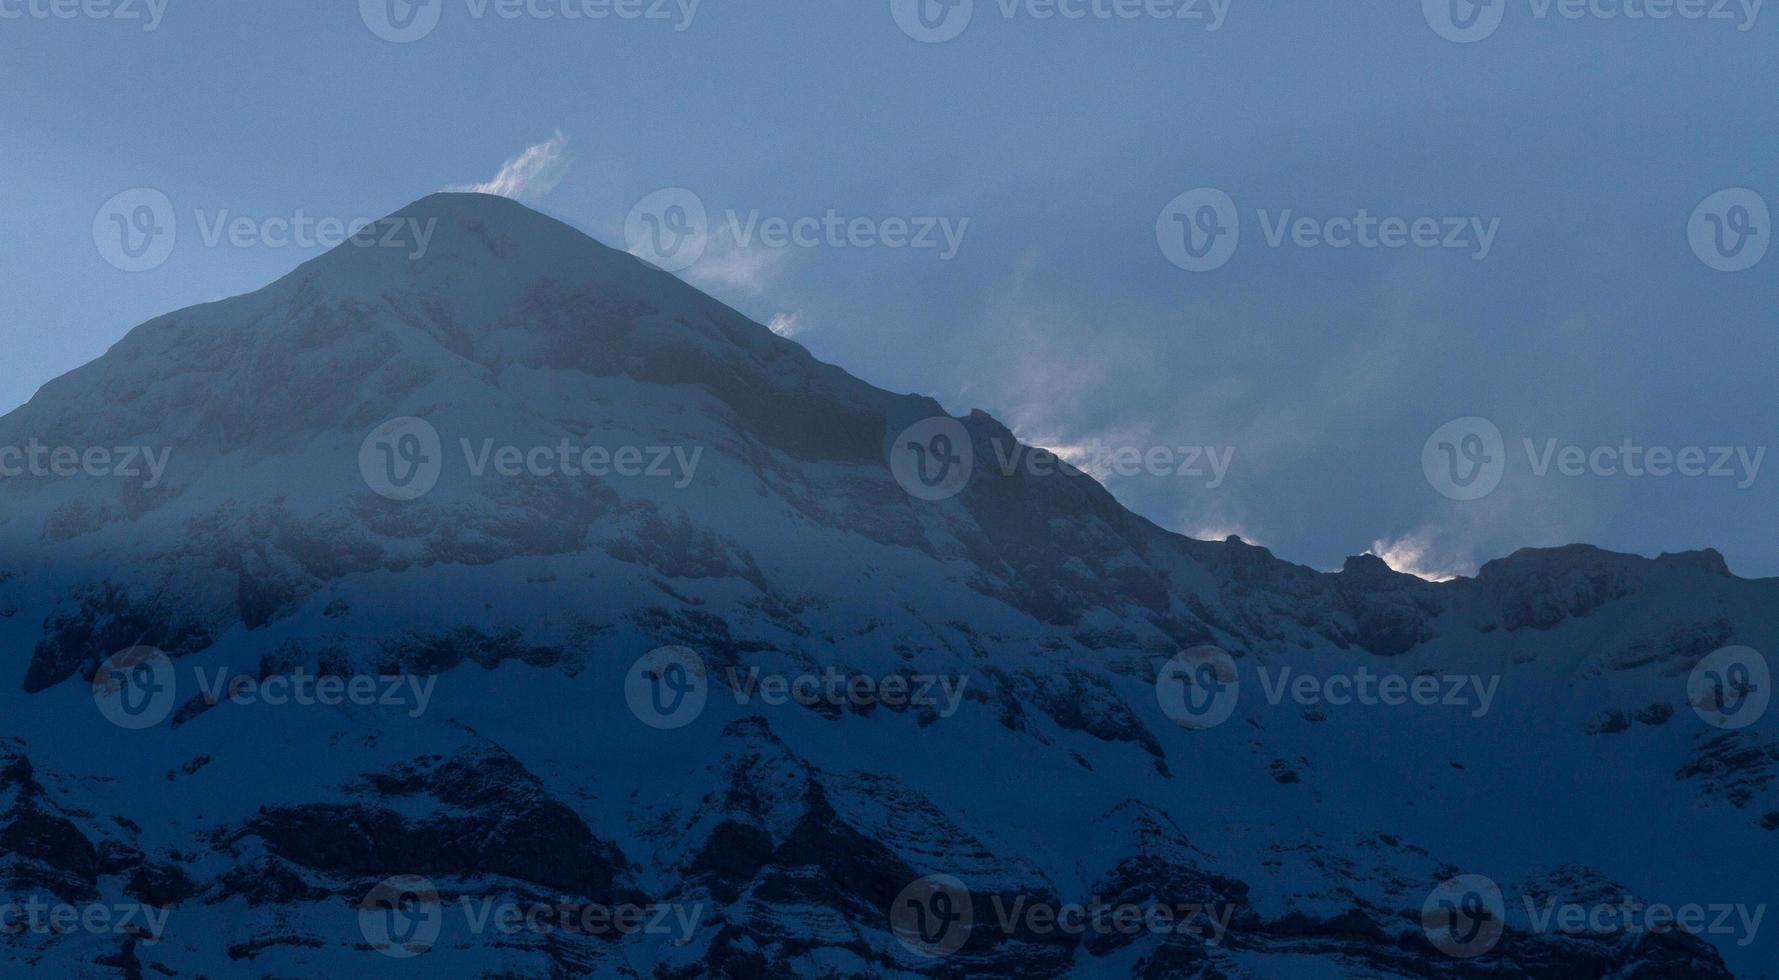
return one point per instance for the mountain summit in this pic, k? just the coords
(498, 476)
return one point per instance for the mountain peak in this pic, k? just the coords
(460, 244)
(492, 213)
(454, 289)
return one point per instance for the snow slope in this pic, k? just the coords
(513, 763)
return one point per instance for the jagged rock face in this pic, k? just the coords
(44, 848)
(1040, 770)
(492, 817)
(1735, 767)
(1541, 589)
(1392, 614)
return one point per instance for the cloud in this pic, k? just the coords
(1221, 532)
(728, 266)
(1415, 554)
(787, 324)
(530, 175)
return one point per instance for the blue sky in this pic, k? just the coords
(1583, 145)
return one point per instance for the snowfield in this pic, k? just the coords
(422, 525)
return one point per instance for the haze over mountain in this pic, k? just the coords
(765, 529)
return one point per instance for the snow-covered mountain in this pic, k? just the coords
(597, 596)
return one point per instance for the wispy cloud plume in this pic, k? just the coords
(1222, 532)
(787, 324)
(1416, 554)
(729, 266)
(530, 175)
